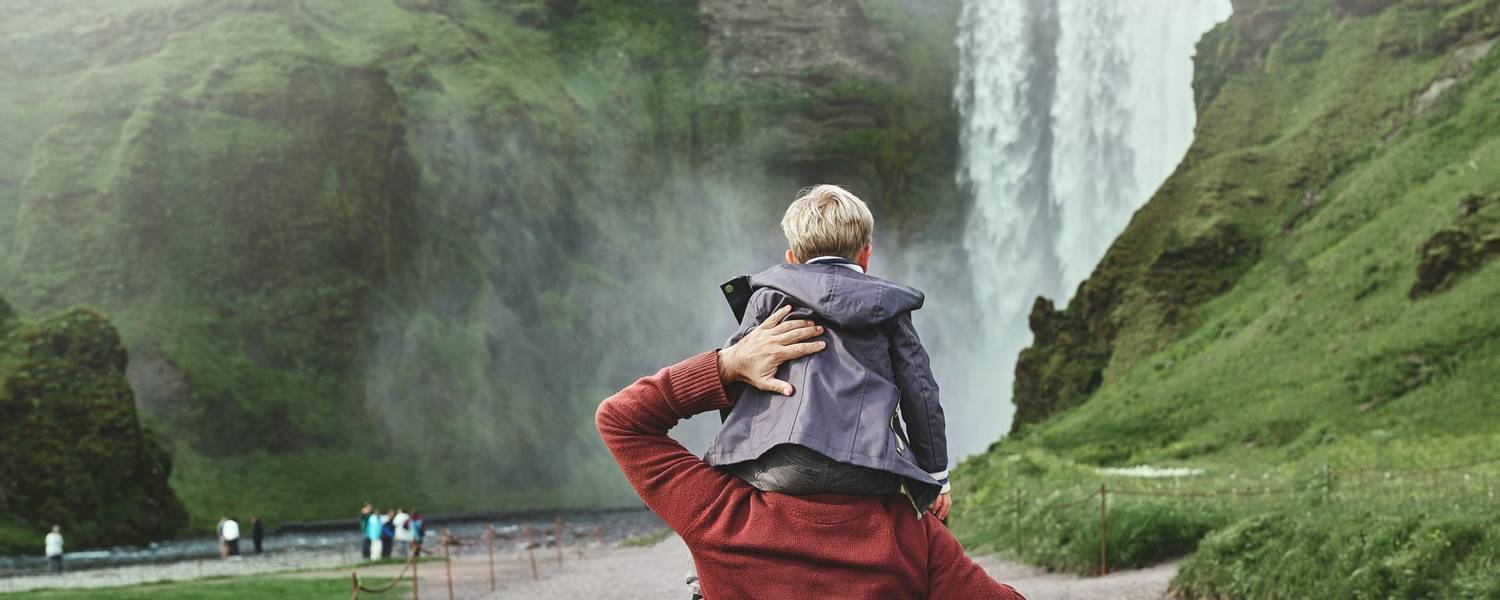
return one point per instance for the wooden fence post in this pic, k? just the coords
(1018, 522)
(557, 537)
(489, 540)
(447, 563)
(1103, 531)
(530, 552)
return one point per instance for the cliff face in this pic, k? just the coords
(361, 235)
(72, 451)
(1288, 122)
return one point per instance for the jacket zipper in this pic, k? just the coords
(907, 492)
(901, 448)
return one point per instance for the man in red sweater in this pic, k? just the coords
(749, 544)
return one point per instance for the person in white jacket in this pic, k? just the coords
(55, 550)
(230, 531)
(403, 531)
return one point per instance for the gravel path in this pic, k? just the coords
(657, 573)
(1038, 584)
(180, 570)
(587, 571)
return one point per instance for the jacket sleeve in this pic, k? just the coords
(674, 483)
(920, 408)
(952, 575)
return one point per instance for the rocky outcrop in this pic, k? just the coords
(1472, 240)
(788, 40)
(72, 450)
(861, 95)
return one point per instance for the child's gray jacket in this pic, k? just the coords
(847, 397)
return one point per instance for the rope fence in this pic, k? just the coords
(1332, 484)
(529, 541)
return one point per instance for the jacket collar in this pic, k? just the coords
(836, 260)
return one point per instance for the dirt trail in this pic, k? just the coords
(657, 573)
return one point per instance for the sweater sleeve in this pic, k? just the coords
(920, 408)
(952, 575)
(675, 484)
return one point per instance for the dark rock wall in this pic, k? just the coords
(72, 450)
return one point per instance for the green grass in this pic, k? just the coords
(1316, 355)
(646, 540)
(236, 588)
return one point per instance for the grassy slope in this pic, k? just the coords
(1316, 355)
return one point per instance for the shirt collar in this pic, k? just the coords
(837, 260)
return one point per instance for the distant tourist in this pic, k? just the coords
(373, 527)
(223, 546)
(230, 530)
(257, 533)
(364, 528)
(418, 529)
(55, 550)
(387, 533)
(402, 523)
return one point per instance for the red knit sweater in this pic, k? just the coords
(766, 546)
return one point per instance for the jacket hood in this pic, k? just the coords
(843, 296)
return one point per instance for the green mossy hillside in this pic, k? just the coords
(72, 450)
(388, 250)
(1312, 289)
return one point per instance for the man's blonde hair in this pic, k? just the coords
(827, 220)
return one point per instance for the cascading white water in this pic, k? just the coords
(1074, 111)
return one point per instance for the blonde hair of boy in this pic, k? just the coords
(827, 220)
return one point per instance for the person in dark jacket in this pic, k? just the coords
(364, 539)
(257, 533)
(387, 534)
(860, 418)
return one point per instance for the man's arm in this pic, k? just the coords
(952, 575)
(674, 483)
(925, 425)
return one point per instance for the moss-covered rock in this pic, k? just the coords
(72, 450)
(1461, 248)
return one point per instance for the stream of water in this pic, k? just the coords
(1074, 112)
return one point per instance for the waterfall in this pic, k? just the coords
(1074, 111)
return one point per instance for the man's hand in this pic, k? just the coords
(941, 505)
(754, 358)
